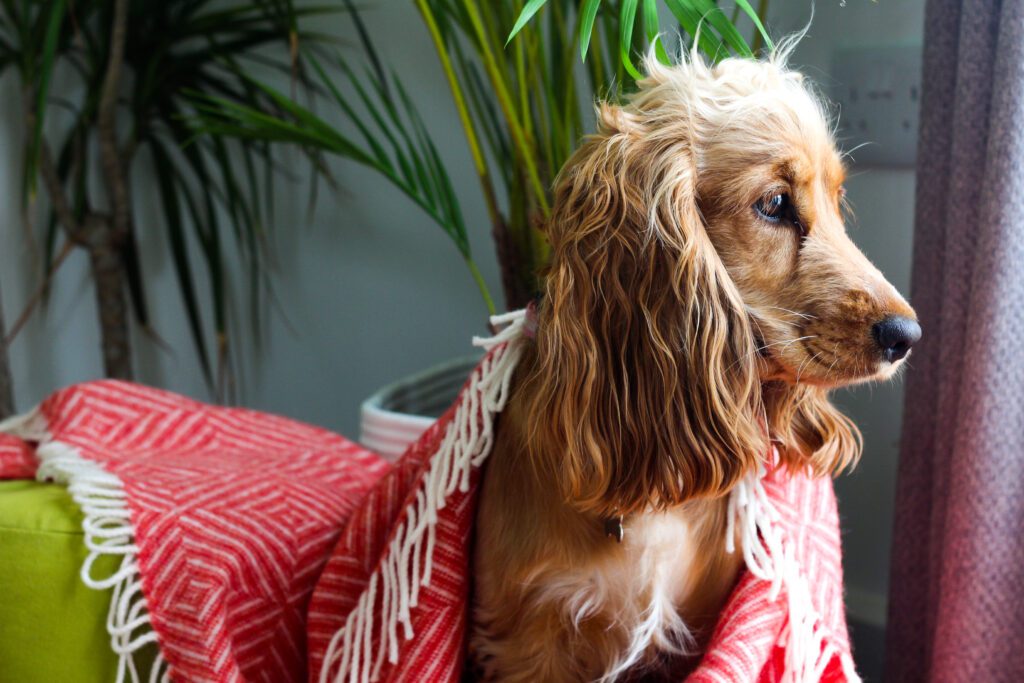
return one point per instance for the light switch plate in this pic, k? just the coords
(878, 91)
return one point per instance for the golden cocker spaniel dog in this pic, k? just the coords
(702, 299)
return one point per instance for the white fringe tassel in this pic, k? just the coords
(108, 531)
(768, 558)
(407, 564)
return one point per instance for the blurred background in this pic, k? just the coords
(367, 290)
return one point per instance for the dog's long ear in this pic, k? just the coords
(810, 432)
(644, 391)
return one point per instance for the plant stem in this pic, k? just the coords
(758, 42)
(521, 81)
(479, 279)
(499, 227)
(460, 100)
(508, 107)
(109, 280)
(94, 234)
(37, 296)
(58, 199)
(105, 243)
(106, 123)
(6, 385)
(573, 117)
(597, 77)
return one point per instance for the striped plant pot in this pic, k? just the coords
(398, 414)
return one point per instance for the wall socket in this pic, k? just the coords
(878, 94)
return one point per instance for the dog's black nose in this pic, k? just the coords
(895, 335)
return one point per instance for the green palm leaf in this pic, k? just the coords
(52, 18)
(716, 35)
(588, 15)
(394, 144)
(529, 10)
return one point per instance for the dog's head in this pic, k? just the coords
(703, 293)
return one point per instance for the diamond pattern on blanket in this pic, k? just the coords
(234, 514)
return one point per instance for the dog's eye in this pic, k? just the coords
(773, 208)
(776, 208)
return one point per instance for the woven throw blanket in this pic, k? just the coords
(222, 518)
(225, 519)
(392, 602)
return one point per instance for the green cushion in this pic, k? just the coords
(52, 627)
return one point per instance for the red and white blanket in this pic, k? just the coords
(256, 548)
(222, 518)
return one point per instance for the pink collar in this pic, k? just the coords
(530, 328)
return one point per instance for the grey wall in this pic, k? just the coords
(369, 290)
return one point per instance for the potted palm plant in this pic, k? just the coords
(522, 97)
(128, 71)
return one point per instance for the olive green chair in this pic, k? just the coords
(52, 627)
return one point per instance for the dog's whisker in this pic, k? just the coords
(848, 153)
(804, 338)
(814, 358)
(759, 349)
(835, 355)
(805, 316)
(787, 343)
(805, 362)
(757, 324)
(828, 373)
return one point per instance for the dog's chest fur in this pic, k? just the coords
(645, 589)
(560, 598)
(557, 599)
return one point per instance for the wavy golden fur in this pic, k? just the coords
(702, 295)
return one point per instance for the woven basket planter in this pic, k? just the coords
(398, 414)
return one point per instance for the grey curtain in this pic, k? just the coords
(956, 601)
